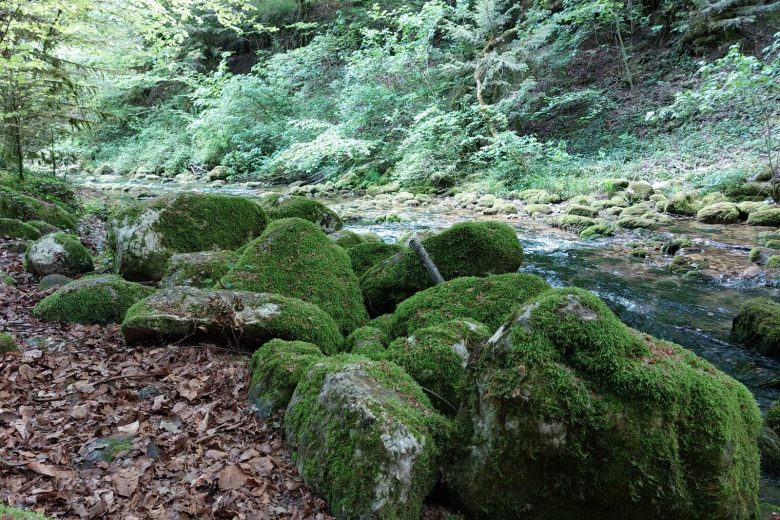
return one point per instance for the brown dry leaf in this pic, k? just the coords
(125, 483)
(49, 471)
(231, 477)
(129, 429)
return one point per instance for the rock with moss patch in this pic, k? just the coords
(16, 205)
(13, 228)
(571, 414)
(747, 207)
(53, 281)
(670, 247)
(293, 257)
(689, 264)
(144, 237)
(574, 223)
(95, 299)
(543, 209)
(765, 217)
(769, 447)
(275, 370)
(364, 435)
(367, 255)
(713, 198)
(7, 343)
(647, 220)
(465, 249)
(383, 323)
(682, 204)
(583, 211)
(285, 206)
(772, 418)
(486, 300)
(719, 213)
(639, 190)
(597, 231)
(201, 269)
(534, 196)
(773, 262)
(770, 239)
(43, 227)
(757, 326)
(247, 318)
(58, 253)
(614, 185)
(346, 239)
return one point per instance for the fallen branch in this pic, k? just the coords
(425, 259)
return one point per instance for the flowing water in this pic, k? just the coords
(694, 312)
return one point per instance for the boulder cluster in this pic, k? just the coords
(511, 398)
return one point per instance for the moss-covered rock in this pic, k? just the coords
(688, 265)
(583, 211)
(201, 269)
(43, 227)
(144, 237)
(275, 370)
(347, 239)
(765, 217)
(534, 196)
(719, 213)
(713, 198)
(465, 249)
(574, 223)
(682, 204)
(367, 341)
(544, 209)
(366, 255)
(769, 446)
(747, 207)
(13, 228)
(597, 231)
(757, 326)
(436, 357)
(646, 221)
(773, 262)
(486, 300)
(16, 205)
(293, 257)
(285, 206)
(365, 436)
(7, 343)
(58, 253)
(772, 418)
(638, 190)
(247, 318)
(574, 415)
(615, 185)
(92, 299)
(383, 323)
(670, 247)
(769, 239)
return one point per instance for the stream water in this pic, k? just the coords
(694, 312)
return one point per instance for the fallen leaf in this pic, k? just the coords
(231, 477)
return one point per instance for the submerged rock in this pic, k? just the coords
(58, 253)
(144, 237)
(201, 269)
(466, 249)
(92, 299)
(293, 257)
(364, 435)
(13, 228)
(246, 318)
(571, 414)
(757, 326)
(285, 206)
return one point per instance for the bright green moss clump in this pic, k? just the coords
(583, 211)
(92, 299)
(7, 343)
(202, 269)
(16, 205)
(285, 206)
(43, 227)
(144, 237)
(367, 341)
(574, 415)
(572, 222)
(534, 196)
(757, 326)
(58, 253)
(487, 300)
(12, 513)
(366, 255)
(6, 279)
(597, 231)
(772, 419)
(365, 436)
(773, 262)
(347, 239)
(719, 213)
(276, 368)
(682, 204)
(13, 228)
(293, 257)
(765, 217)
(769, 239)
(466, 249)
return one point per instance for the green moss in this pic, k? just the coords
(92, 299)
(366, 255)
(16, 205)
(58, 253)
(572, 222)
(6, 279)
(688, 265)
(773, 262)
(754, 254)
(364, 435)
(12, 513)
(293, 257)
(713, 198)
(574, 415)
(383, 323)
(583, 211)
(202, 269)
(465, 249)
(7, 343)
(682, 204)
(43, 227)
(544, 209)
(487, 300)
(275, 370)
(772, 418)
(747, 207)
(769, 446)
(347, 239)
(284, 206)
(51, 281)
(534, 196)
(670, 247)
(769, 239)
(597, 231)
(12, 228)
(612, 186)
(367, 341)
(719, 213)
(766, 217)
(757, 326)
(638, 190)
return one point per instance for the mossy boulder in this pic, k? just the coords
(58, 253)
(486, 300)
(615, 184)
(53, 281)
(597, 231)
(773, 262)
(285, 206)
(765, 217)
(201, 269)
(713, 198)
(144, 237)
(293, 257)
(570, 414)
(366, 255)
(367, 341)
(583, 211)
(534, 196)
(574, 223)
(16, 205)
(670, 247)
(383, 323)
(465, 249)
(544, 209)
(689, 264)
(437, 357)
(719, 213)
(682, 204)
(770, 239)
(757, 326)
(275, 370)
(346, 239)
(91, 299)
(648, 220)
(772, 418)
(639, 190)
(247, 318)
(43, 227)
(747, 207)
(13, 228)
(7, 343)
(769, 446)
(364, 435)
